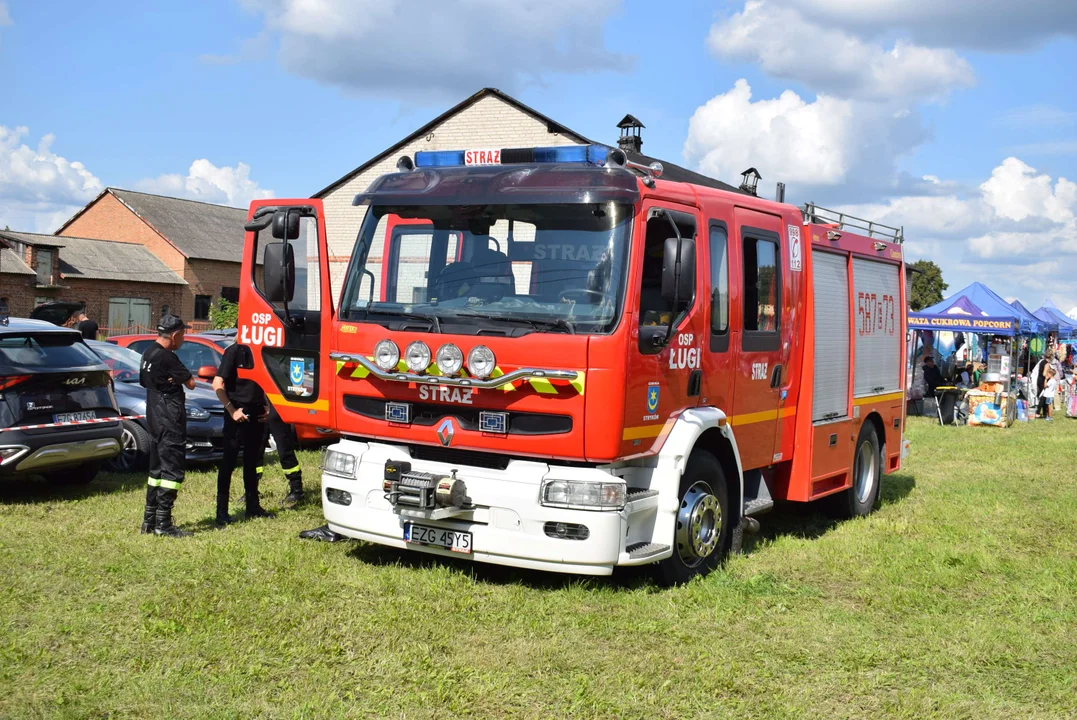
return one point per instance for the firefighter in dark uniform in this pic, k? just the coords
(284, 436)
(164, 377)
(245, 411)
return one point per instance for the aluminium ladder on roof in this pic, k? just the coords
(824, 216)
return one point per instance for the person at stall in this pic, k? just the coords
(1047, 397)
(932, 376)
(965, 378)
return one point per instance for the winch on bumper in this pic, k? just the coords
(531, 514)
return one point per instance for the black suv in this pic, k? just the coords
(49, 376)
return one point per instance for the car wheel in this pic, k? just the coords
(81, 475)
(702, 534)
(135, 449)
(861, 498)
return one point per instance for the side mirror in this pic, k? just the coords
(285, 225)
(679, 275)
(244, 358)
(278, 271)
(207, 372)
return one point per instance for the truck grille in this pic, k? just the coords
(450, 456)
(429, 414)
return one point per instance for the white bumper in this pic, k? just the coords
(506, 524)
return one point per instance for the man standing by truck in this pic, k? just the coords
(164, 377)
(245, 410)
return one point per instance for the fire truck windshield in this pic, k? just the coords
(540, 268)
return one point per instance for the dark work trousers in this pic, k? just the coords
(246, 437)
(167, 420)
(285, 437)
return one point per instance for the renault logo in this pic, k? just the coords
(445, 432)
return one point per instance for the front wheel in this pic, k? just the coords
(702, 533)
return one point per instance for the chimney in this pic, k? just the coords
(630, 141)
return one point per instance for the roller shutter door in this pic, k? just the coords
(877, 328)
(830, 287)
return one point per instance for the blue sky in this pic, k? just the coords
(959, 122)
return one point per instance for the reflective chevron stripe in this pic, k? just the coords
(540, 385)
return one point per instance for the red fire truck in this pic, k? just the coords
(558, 359)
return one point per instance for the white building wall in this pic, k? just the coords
(489, 123)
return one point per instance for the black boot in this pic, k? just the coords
(166, 497)
(254, 507)
(223, 518)
(295, 491)
(149, 515)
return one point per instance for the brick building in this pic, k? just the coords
(124, 286)
(200, 242)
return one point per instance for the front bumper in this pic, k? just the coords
(507, 523)
(58, 448)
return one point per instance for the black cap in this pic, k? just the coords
(169, 324)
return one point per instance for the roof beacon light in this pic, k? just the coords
(575, 154)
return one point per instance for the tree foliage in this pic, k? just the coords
(223, 314)
(927, 285)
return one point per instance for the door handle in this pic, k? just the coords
(776, 376)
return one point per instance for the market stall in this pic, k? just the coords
(975, 326)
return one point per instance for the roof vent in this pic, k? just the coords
(751, 181)
(630, 140)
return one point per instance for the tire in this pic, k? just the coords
(81, 475)
(135, 452)
(702, 535)
(860, 499)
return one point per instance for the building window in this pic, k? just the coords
(201, 306)
(231, 294)
(128, 315)
(39, 300)
(44, 267)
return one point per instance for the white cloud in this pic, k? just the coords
(207, 182)
(990, 25)
(816, 144)
(38, 188)
(786, 45)
(1016, 232)
(416, 50)
(5, 17)
(1016, 192)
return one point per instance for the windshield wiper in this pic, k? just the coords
(538, 325)
(435, 323)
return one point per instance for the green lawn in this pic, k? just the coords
(958, 598)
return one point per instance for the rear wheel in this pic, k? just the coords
(861, 498)
(135, 449)
(81, 475)
(701, 537)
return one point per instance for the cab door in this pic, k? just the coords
(664, 365)
(758, 372)
(718, 352)
(285, 311)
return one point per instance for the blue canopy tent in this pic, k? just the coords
(975, 309)
(1052, 315)
(1045, 327)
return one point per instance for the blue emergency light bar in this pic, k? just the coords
(579, 154)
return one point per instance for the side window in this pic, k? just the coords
(719, 262)
(762, 291)
(307, 294)
(655, 310)
(139, 346)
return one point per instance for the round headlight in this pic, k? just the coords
(449, 359)
(481, 362)
(386, 355)
(417, 356)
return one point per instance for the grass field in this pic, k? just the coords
(957, 599)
